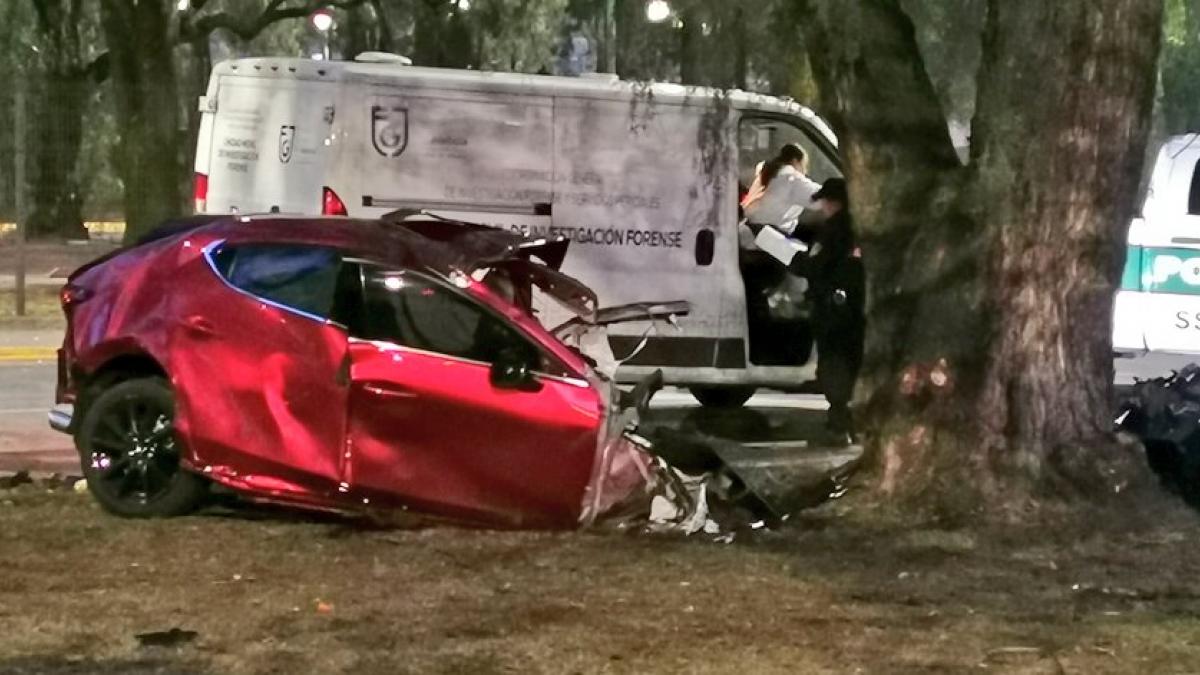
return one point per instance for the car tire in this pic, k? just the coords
(722, 397)
(130, 455)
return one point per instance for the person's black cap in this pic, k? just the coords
(833, 189)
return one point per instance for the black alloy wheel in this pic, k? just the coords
(130, 455)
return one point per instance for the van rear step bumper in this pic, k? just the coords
(60, 418)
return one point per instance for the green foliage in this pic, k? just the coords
(1180, 67)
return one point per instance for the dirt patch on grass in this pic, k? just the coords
(269, 592)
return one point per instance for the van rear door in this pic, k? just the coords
(645, 190)
(269, 141)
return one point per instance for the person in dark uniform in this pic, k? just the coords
(833, 267)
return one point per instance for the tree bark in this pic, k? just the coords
(59, 103)
(690, 39)
(988, 376)
(740, 75)
(149, 157)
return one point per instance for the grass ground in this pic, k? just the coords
(42, 309)
(267, 592)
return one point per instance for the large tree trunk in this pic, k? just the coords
(988, 377)
(59, 102)
(58, 99)
(150, 154)
(691, 38)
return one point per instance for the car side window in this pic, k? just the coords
(301, 278)
(415, 311)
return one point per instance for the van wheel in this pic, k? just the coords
(722, 397)
(130, 456)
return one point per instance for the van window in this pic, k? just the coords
(300, 278)
(1194, 193)
(760, 138)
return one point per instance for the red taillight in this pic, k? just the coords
(332, 204)
(200, 193)
(72, 295)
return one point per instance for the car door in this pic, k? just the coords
(429, 429)
(256, 364)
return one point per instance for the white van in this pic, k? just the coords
(1157, 308)
(643, 178)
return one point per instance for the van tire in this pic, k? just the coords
(722, 397)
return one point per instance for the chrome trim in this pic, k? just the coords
(211, 248)
(60, 419)
(385, 346)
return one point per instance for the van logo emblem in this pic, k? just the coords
(287, 138)
(389, 129)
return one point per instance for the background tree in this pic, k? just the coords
(1180, 101)
(59, 47)
(989, 368)
(152, 155)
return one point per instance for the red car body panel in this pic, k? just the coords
(283, 406)
(466, 447)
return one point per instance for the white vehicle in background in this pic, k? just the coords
(1157, 308)
(642, 178)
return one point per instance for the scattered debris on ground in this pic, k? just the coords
(166, 638)
(1164, 414)
(275, 591)
(13, 480)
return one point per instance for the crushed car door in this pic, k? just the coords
(257, 361)
(431, 427)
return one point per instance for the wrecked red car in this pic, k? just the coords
(345, 365)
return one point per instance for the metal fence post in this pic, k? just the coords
(19, 192)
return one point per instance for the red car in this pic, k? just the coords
(345, 365)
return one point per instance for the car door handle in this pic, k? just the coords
(387, 390)
(199, 326)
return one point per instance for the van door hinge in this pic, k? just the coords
(208, 105)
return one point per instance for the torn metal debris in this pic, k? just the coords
(1164, 413)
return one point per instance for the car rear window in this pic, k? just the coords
(301, 278)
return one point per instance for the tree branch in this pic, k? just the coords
(873, 83)
(248, 30)
(97, 70)
(43, 14)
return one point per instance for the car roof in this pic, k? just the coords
(413, 241)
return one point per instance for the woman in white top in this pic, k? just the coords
(781, 191)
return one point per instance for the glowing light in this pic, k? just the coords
(183, 5)
(393, 283)
(658, 11)
(322, 20)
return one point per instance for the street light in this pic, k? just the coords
(658, 11)
(322, 20)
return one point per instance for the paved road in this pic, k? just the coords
(27, 391)
(26, 442)
(784, 421)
